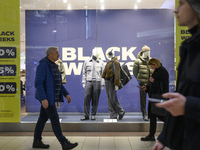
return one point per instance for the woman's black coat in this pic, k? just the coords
(183, 132)
(161, 80)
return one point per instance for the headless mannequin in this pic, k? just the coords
(95, 56)
(141, 73)
(93, 83)
(111, 55)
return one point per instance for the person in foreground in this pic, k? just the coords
(49, 89)
(158, 84)
(182, 122)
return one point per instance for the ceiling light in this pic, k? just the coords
(69, 7)
(138, 1)
(102, 8)
(136, 7)
(64, 1)
(101, 1)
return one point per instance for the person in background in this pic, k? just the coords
(93, 83)
(158, 84)
(141, 72)
(182, 122)
(49, 90)
(22, 93)
(111, 74)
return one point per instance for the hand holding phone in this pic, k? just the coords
(155, 100)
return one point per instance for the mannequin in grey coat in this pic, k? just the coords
(93, 83)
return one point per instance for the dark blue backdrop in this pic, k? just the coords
(84, 30)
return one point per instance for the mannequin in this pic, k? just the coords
(142, 71)
(62, 70)
(111, 55)
(111, 74)
(93, 83)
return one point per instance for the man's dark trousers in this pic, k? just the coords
(52, 114)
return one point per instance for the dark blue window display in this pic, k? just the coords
(77, 32)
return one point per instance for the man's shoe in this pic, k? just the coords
(39, 144)
(84, 118)
(148, 138)
(67, 145)
(121, 116)
(145, 118)
(93, 117)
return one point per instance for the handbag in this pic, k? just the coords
(157, 110)
(125, 76)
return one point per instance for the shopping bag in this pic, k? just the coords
(125, 76)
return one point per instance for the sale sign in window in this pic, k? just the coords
(10, 61)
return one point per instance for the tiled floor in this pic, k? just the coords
(86, 140)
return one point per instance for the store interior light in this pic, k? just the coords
(64, 1)
(138, 1)
(69, 7)
(101, 1)
(136, 7)
(102, 8)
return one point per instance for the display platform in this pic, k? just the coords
(132, 122)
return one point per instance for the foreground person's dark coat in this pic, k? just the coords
(183, 132)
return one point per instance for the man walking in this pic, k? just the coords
(49, 90)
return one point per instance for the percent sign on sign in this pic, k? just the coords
(7, 70)
(8, 88)
(10, 52)
(7, 52)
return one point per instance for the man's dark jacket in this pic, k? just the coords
(183, 132)
(45, 83)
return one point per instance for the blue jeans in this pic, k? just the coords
(45, 114)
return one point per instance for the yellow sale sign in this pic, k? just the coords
(10, 61)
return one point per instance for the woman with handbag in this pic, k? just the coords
(156, 86)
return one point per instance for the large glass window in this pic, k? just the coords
(77, 27)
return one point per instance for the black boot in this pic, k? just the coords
(66, 145)
(148, 138)
(39, 144)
